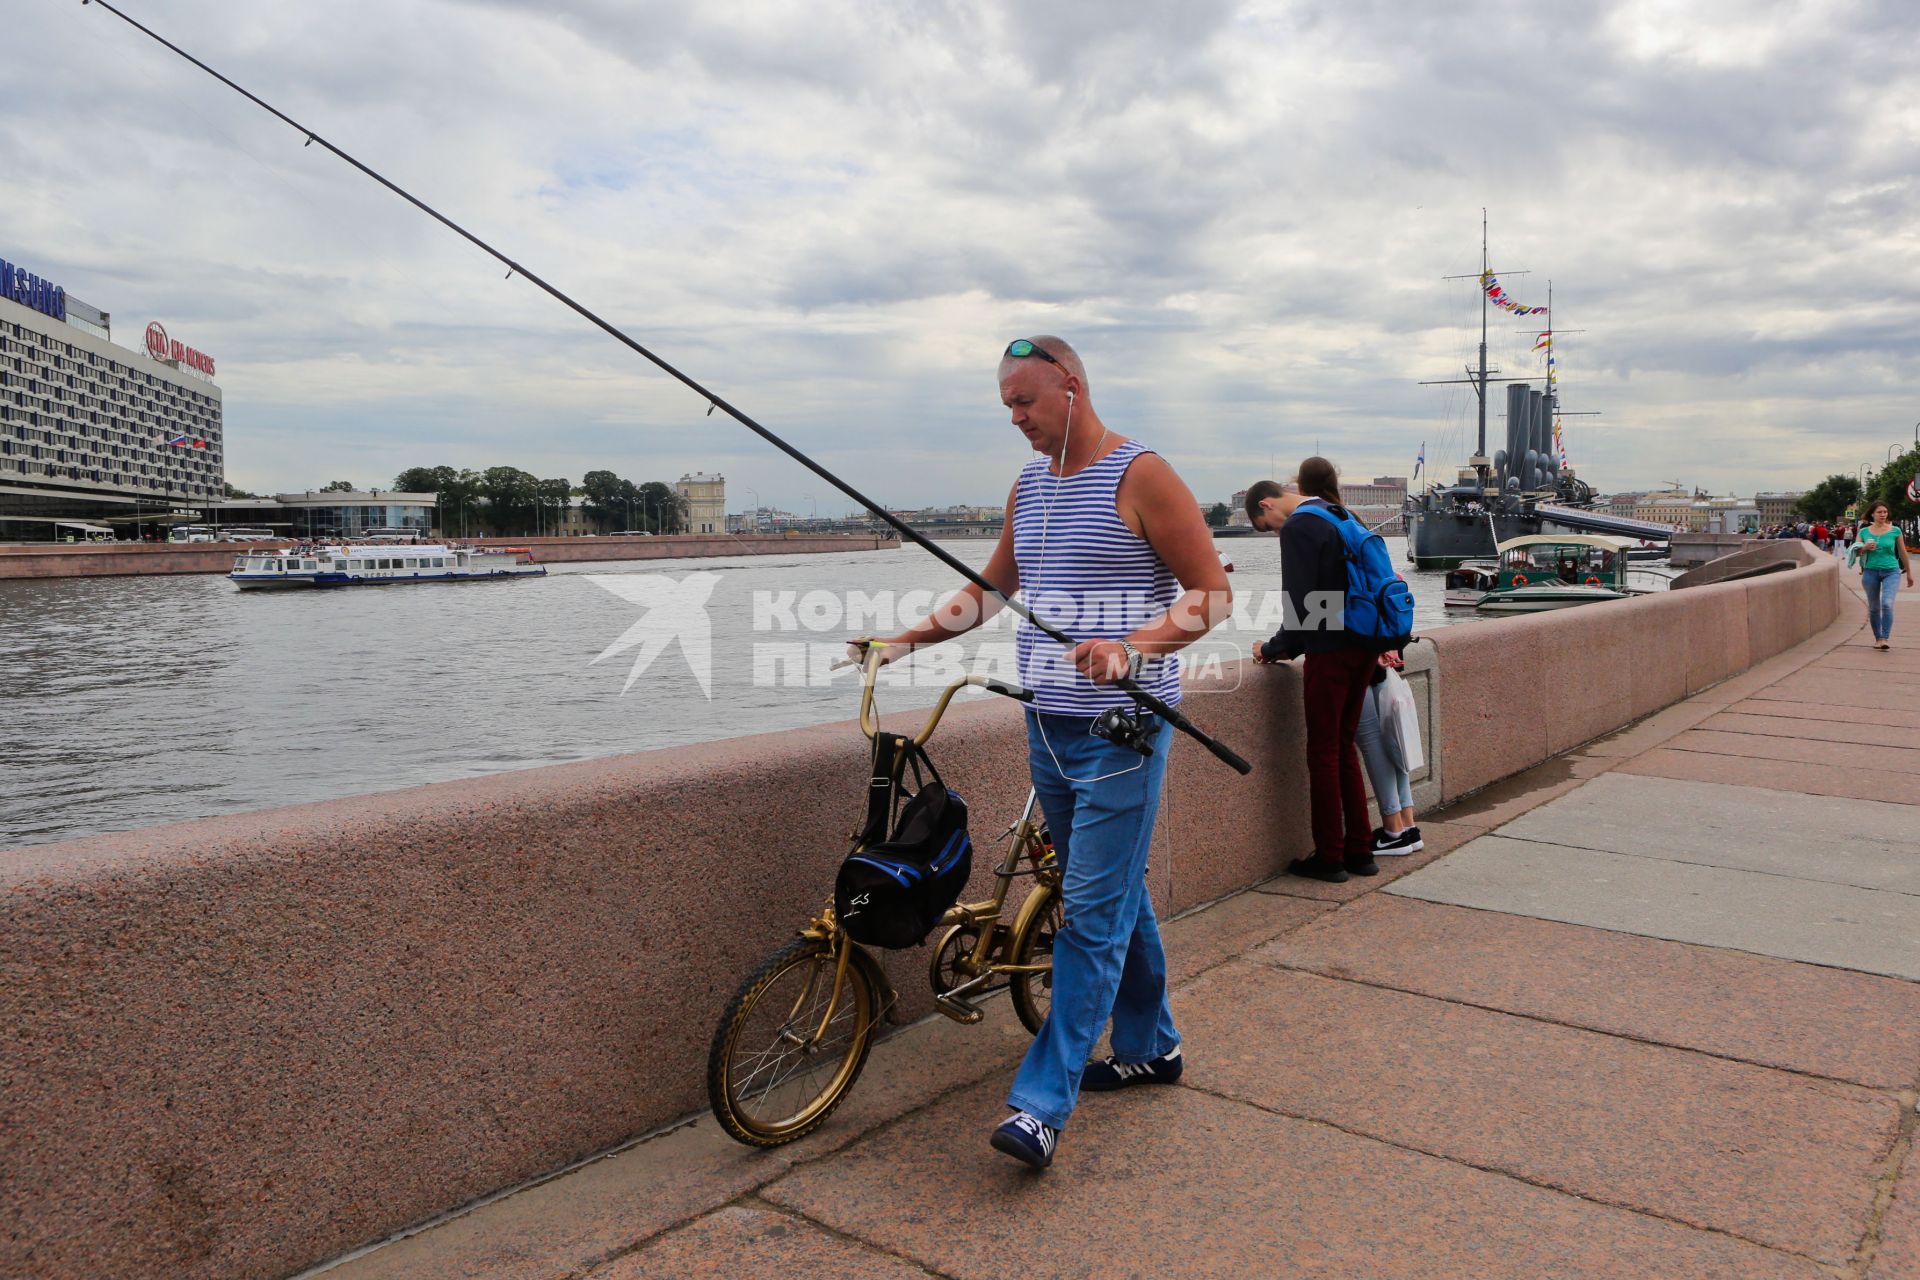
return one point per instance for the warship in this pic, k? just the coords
(1521, 490)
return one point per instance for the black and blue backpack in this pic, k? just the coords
(911, 859)
(1379, 605)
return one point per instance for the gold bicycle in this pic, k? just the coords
(794, 1038)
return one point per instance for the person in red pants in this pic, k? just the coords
(1313, 574)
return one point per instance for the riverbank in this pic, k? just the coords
(128, 559)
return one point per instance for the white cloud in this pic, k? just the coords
(838, 214)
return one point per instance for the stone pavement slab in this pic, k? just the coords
(1870, 930)
(1849, 1026)
(1826, 750)
(1780, 775)
(1173, 1182)
(1843, 731)
(1833, 688)
(1775, 1158)
(1856, 716)
(739, 1241)
(1860, 657)
(1871, 844)
(1898, 1257)
(564, 1226)
(1440, 839)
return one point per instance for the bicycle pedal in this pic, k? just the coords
(959, 1010)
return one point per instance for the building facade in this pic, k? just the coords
(1623, 504)
(705, 501)
(1777, 508)
(333, 514)
(1378, 505)
(91, 429)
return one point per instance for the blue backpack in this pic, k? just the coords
(1379, 607)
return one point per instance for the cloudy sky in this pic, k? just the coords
(837, 214)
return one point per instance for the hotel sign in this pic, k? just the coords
(20, 285)
(161, 347)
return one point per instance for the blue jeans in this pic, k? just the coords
(1107, 958)
(1882, 585)
(1392, 785)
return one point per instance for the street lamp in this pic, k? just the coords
(756, 505)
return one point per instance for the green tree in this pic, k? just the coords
(1218, 515)
(553, 496)
(665, 510)
(454, 491)
(1829, 499)
(238, 493)
(460, 510)
(421, 479)
(510, 494)
(337, 486)
(1890, 487)
(606, 500)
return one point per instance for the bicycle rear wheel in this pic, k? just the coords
(768, 1080)
(1032, 943)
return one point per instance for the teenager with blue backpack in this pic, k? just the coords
(1345, 606)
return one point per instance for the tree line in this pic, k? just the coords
(506, 502)
(1829, 500)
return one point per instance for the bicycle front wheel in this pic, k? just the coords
(1032, 943)
(772, 1074)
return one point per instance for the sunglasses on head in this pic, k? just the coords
(1020, 348)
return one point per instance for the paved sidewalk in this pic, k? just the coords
(1650, 1009)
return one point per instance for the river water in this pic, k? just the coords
(133, 701)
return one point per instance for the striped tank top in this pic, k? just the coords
(1087, 573)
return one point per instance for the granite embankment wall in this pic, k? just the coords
(239, 1046)
(119, 559)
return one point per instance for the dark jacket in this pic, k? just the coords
(1312, 559)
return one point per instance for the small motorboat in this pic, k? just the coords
(1469, 583)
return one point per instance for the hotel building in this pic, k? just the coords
(90, 429)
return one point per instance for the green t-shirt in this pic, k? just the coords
(1882, 552)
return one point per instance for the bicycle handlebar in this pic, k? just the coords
(870, 721)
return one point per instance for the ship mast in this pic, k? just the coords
(1479, 460)
(1478, 377)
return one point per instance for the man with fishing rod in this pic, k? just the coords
(1105, 542)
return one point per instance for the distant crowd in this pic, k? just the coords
(1836, 537)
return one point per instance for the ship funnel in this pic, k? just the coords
(1516, 428)
(1537, 436)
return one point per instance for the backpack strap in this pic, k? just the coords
(1323, 513)
(890, 754)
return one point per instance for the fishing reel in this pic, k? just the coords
(1125, 727)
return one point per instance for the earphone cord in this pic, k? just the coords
(1046, 519)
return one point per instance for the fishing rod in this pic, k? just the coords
(1131, 687)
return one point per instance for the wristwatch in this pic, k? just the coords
(1135, 660)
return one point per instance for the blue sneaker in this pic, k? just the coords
(1027, 1140)
(1111, 1073)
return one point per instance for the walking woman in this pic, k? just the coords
(1883, 559)
(1339, 665)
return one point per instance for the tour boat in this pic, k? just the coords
(350, 565)
(1555, 571)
